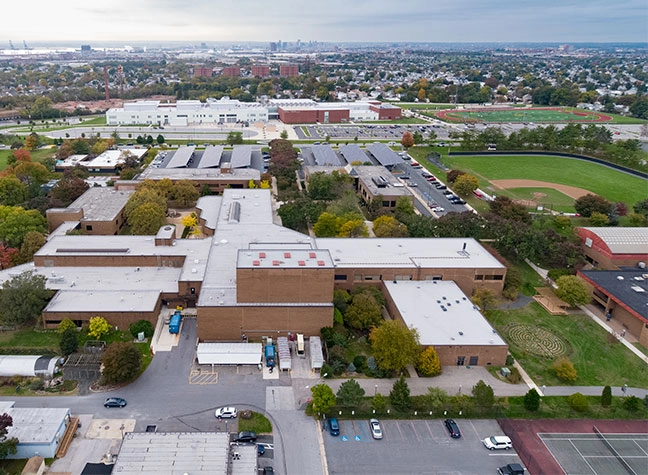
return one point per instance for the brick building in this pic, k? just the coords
(288, 70)
(203, 72)
(231, 72)
(261, 71)
(613, 247)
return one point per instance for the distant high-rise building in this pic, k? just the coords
(231, 71)
(202, 72)
(261, 71)
(86, 48)
(273, 46)
(288, 70)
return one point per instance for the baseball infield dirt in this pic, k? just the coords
(570, 191)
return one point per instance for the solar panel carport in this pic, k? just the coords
(241, 156)
(212, 157)
(324, 155)
(353, 153)
(181, 157)
(385, 155)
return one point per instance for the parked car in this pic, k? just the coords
(453, 428)
(511, 469)
(376, 430)
(496, 442)
(438, 209)
(440, 186)
(268, 471)
(226, 412)
(413, 183)
(333, 426)
(260, 450)
(246, 436)
(115, 402)
(404, 177)
(447, 192)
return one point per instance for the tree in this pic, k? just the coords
(22, 299)
(12, 191)
(234, 138)
(452, 175)
(483, 396)
(400, 395)
(394, 345)
(632, 404)
(323, 399)
(7, 256)
(32, 242)
(506, 208)
(66, 324)
(465, 184)
(641, 207)
(379, 403)
(68, 189)
(484, 298)
(31, 142)
(606, 396)
(599, 219)
(98, 327)
(141, 326)
(160, 139)
(573, 290)
(388, 226)
(20, 155)
(326, 225)
(284, 134)
(578, 402)
(363, 312)
(69, 342)
(564, 369)
(350, 393)
(31, 174)
(532, 400)
(16, 222)
(147, 219)
(121, 362)
(428, 363)
(185, 192)
(417, 137)
(353, 228)
(407, 140)
(588, 204)
(145, 195)
(7, 446)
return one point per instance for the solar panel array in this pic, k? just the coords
(212, 157)
(241, 156)
(385, 155)
(353, 153)
(181, 157)
(324, 155)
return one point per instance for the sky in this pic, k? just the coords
(328, 20)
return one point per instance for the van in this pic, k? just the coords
(334, 426)
(300, 344)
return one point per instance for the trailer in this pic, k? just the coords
(270, 356)
(283, 352)
(316, 355)
(174, 324)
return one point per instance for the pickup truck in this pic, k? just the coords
(511, 469)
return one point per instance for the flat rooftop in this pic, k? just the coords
(442, 314)
(629, 287)
(198, 174)
(108, 300)
(425, 253)
(111, 158)
(101, 203)
(373, 176)
(36, 425)
(175, 453)
(284, 258)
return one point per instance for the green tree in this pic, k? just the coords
(16, 222)
(483, 396)
(394, 345)
(327, 225)
(428, 363)
(234, 138)
(417, 137)
(606, 396)
(121, 362)
(599, 220)
(145, 195)
(12, 191)
(379, 403)
(69, 342)
(32, 242)
(573, 290)
(284, 134)
(641, 207)
(8, 446)
(98, 327)
(141, 326)
(160, 139)
(350, 393)
(147, 219)
(399, 397)
(532, 400)
(578, 402)
(388, 226)
(484, 298)
(184, 192)
(323, 399)
(66, 324)
(588, 204)
(564, 369)
(465, 184)
(363, 312)
(23, 299)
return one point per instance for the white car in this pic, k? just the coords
(497, 442)
(226, 412)
(438, 209)
(376, 430)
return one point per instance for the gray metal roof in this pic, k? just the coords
(211, 157)
(385, 155)
(181, 157)
(372, 175)
(422, 303)
(198, 174)
(324, 155)
(623, 240)
(101, 203)
(353, 153)
(36, 425)
(174, 453)
(241, 156)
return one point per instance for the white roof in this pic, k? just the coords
(229, 353)
(27, 365)
(623, 240)
(174, 453)
(36, 425)
(103, 301)
(111, 158)
(408, 252)
(102, 203)
(198, 174)
(422, 303)
(209, 207)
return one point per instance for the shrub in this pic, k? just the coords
(379, 403)
(98, 327)
(578, 402)
(141, 326)
(340, 339)
(632, 403)
(428, 363)
(509, 360)
(327, 335)
(565, 370)
(338, 317)
(121, 362)
(66, 324)
(555, 274)
(338, 353)
(532, 400)
(360, 362)
(38, 385)
(327, 370)
(69, 342)
(606, 396)
(515, 377)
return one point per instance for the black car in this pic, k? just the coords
(260, 450)
(268, 471)
(115, 402)
(439, 186)
(246, 436)
(447, 192)
(459, 201)
(453, 428)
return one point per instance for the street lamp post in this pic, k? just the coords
(375, 389)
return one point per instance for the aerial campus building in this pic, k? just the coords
(228, 111)
(252, 278)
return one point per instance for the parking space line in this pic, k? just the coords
(416, 435)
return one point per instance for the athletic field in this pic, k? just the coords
(517, 115)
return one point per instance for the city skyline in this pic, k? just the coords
(333, 21)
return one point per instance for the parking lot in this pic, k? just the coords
(415, 447)
(394, 132)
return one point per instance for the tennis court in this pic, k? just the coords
(597, 454)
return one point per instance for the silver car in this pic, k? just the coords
(376, 430)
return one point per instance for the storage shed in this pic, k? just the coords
(316, 355)
(229, 353)
(283, 349)
(28, 365)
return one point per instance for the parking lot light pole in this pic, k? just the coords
(375, 389)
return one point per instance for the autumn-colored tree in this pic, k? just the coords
(189, 221)
(31, 173)
(22, 155)
(32, 242)
(326, 226)
(421, 95)
(428, 363)
(66, 324)
(388, 226)
(7, 255)
(484, 298)
(32, 141)
(452, 175)
(142, 196)
(353, 228)
(147, 219)
(565, 370)
(465, 184)
(68, 189)
(394, 345)
(184, 192)
(407, 140)
(121, 362)
(98, 327)
(8, 446)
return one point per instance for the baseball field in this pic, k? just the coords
(517, 115)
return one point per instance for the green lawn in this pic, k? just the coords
(552, 199)
(611, 184)
(256, 423)
(598, 361)
(30, 338)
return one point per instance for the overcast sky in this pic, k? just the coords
(326, 20)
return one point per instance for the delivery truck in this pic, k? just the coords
(174, 324)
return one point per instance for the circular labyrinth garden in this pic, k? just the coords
(537, 341)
